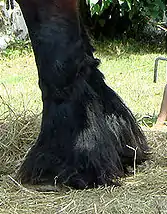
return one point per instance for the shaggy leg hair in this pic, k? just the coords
(86, 128)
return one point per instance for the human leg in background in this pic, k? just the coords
(162, 117)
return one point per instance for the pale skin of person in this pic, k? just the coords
(162, 117)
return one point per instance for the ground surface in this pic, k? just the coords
(129, 71)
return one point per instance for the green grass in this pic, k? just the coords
(128, 69)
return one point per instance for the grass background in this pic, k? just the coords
(128, 69)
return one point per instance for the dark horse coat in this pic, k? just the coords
(86, 128)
